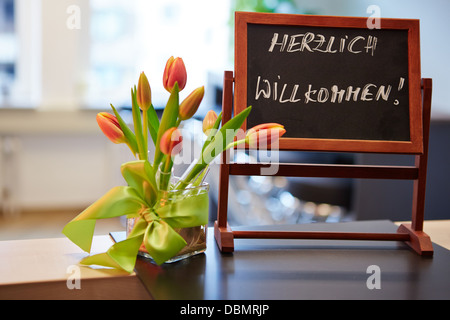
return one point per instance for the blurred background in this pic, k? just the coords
(62, 61)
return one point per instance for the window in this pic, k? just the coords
(20, 56)
(8, 50)
(128, 37)
(46, 64)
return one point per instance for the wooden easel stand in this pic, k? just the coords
(412, 234)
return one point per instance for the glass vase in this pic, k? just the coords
(195, 237)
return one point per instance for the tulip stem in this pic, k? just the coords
(191, 175)
(165, 169)
(145, 132)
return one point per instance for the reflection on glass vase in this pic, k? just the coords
(195, 236)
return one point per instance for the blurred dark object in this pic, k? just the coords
(382, 199)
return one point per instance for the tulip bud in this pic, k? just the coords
(190, 105)
(171, 142)
(143, 93)
(209, 121)
(264, 134)
(110, 126)
(175, 71)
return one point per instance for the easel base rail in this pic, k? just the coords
(419, 241)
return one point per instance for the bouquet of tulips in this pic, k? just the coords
(156, 225)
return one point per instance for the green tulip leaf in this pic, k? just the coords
(168, 120)
(153, 123)
(129, 135)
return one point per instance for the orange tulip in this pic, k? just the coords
(264, 134)
(110, 126)
(171, 142)
(143, 93)
(190, 105)
(175, 71)
(209, 121)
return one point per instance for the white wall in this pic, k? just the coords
(62, 171)
(55, 160)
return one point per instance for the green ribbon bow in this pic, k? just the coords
(154, 228)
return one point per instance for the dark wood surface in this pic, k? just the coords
(292, 269)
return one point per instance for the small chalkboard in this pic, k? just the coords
(335, 84)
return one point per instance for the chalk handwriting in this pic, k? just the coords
(313, 42)
(290, 93)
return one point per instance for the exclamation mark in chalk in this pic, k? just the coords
(401, 83)
(400, 87)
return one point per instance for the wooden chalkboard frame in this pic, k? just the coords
(414, 146)
(412, 233)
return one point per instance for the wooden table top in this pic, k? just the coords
(42, 268)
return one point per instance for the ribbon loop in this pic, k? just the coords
(162, 241)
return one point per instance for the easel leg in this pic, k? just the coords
(420, 241)
(224, 238)
(222, 231)
(421, 161)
